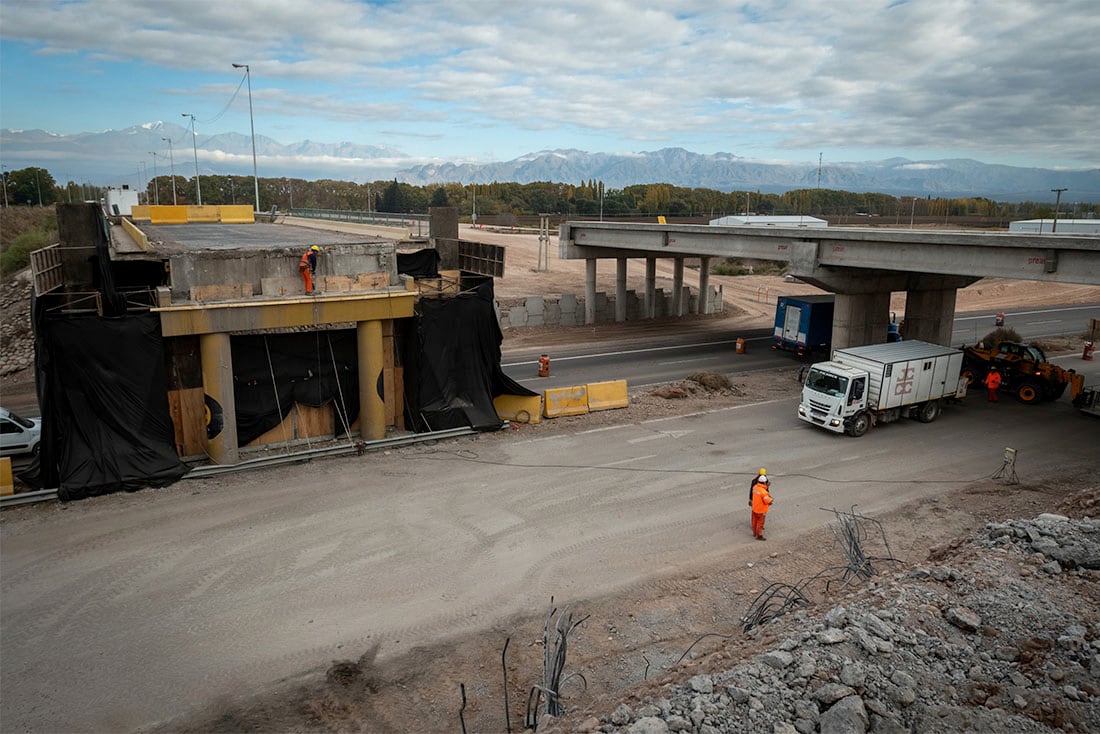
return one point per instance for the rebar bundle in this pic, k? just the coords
(554, 649)
(850, 531)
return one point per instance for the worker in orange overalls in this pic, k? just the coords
(761, 501)
(307, 266)
(992, 384)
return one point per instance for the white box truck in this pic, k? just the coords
(881, 383)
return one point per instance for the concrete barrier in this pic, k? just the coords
(560, 401)
(607, 395)
(136, 234)
(7, 484)
(236, 214)
(204, 213)
(519, 408)
(168, 214)
(141, 211)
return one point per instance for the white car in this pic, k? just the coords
(19, 435)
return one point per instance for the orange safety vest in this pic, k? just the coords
(304, 263)
(761, 498)
(993, 380)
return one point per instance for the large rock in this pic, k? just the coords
(846, 716)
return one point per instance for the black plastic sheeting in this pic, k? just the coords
(457, 364)
(272, 373)
(103, 393)
(419, 264)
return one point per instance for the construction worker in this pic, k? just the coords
(761, 502)
(307, 266)
(992, 384)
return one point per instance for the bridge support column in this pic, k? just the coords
(650, 287)
(860, 319)
(678, 287)
(620, 289)
(590, 290)
(704, 285)
(372, 406)
(217, 383)
(930, 315)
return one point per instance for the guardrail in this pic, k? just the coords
(422, 222)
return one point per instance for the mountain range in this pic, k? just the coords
(118, 157)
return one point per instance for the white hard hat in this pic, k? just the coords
(763, 478)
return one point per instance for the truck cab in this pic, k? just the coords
(832, 395)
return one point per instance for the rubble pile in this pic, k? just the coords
(16, 339)
(1001, 635)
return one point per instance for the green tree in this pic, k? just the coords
(439, 197)
(31, 186)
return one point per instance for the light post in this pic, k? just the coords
(1053, 227)
(5, 173)
(195, 146)
(172, 163)
(156, 180)
(252, 125)
(38, 187)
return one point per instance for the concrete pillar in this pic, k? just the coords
(217, 383)
(650, 287)
(704, 285)
(678, 287)
(930, 315)
(590, 290)
(860, 319)
(372, 405)
(620, 289)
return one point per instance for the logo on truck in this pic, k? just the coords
(904, 385)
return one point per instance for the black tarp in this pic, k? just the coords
(456, 363)
(272, 373)
(419, 264)
(103, 395)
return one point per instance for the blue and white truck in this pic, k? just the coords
(804, 325)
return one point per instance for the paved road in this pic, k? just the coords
(674, 356)
(130, 609)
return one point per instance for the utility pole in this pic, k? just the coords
(1057, 201)
(195, 147)
(819, 155)
(172, 163)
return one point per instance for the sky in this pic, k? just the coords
(1000, 81)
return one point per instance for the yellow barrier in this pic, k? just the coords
(607, 395)
(561, 401)
(204, 213)
(236, 214)
(141, 211)
(519, 408)
(168, 214)
(139, 237)
(7, 484)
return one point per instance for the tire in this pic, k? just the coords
(1029, 392)
(973, 377)
(36, 449)
(859, 425)
(929, 411)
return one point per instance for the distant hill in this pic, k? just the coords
(116, 157)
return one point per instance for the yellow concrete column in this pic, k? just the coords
(217, 383)
(372, 406)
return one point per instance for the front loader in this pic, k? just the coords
(1025, 371)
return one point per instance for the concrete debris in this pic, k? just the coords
(995, 643)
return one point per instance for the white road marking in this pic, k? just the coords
(627, 461)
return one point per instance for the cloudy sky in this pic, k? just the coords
(1001, 81)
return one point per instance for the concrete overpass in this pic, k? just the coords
(861, 266)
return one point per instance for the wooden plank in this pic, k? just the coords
(315, 422)
(279, 434)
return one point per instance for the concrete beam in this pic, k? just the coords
(704, 285)
(678, 287)
(930, 315)
(620, 289)
(650, 287)
(255, 315)
(590, 291)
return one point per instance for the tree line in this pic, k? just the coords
(35, 186)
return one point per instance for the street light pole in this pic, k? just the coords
(1057, 201)
(252, 124)
(172, 162)
(156, 180)
(195, 146)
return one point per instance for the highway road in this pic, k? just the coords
(131, 609)
(672, 358)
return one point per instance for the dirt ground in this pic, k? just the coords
(629, 643)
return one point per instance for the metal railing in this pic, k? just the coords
(422, 222)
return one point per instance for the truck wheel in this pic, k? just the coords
(929, 411)
(1029, 391)
(859, 425)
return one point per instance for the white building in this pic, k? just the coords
(752, 220)
(1065, 226)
